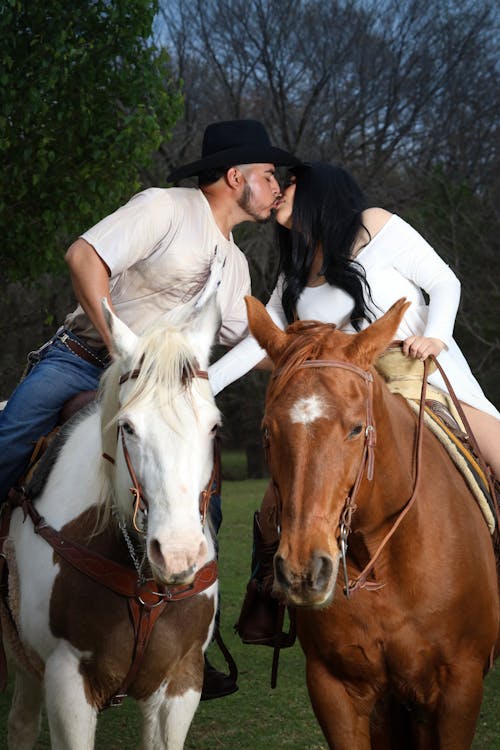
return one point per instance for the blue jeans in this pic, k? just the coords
(33, 408)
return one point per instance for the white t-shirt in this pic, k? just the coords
(158, 247)
(398, 262)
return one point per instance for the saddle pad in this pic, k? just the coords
(403, 375)
(463, 459)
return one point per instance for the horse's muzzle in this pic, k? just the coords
(176, 563)
(311, 585)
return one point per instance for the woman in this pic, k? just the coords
(344, 263)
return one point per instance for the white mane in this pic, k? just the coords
(163, 365)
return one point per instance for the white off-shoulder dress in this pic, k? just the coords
(398, 262)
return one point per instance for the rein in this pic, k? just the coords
(367, 464)
(361, 580)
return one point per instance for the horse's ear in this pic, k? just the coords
(367, 345)
(264, 329)
(202, 329)
(204, 320)
(200, 318)
(124, 340)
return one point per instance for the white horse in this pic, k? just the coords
(69, 637)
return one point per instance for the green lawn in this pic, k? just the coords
(255, 718)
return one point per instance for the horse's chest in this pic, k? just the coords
(368, 652)
(350, 649)
(97, 624)
(96, 621)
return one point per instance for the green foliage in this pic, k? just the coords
(85, 100)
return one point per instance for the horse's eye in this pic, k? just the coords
(355, 431)
(127, 427)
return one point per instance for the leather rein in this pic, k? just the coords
(367, 466)
(146, 599)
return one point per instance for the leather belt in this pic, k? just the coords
(82, 351)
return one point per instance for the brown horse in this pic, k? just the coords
(399, 661)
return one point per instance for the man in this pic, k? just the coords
(146, 258)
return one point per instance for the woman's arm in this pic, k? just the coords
(247, 354)
(410, 254)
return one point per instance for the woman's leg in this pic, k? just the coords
(486, 429)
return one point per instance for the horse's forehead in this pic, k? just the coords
(308, 409)
(319, 393)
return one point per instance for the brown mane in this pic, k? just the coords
(307, 341)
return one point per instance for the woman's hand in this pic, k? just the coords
(419, 347)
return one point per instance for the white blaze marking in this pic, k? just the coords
(307, 410)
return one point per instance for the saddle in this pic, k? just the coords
(69, 409)
(403, 376)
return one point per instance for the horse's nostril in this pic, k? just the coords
(155, 553)
(321, 571)
(280, 571)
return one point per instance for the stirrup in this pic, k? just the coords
(217, 684)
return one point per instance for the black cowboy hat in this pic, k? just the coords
(234, 142)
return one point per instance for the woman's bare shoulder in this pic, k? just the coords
(374, 219)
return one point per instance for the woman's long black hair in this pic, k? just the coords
(326, 213)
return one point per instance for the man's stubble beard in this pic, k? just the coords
(245, 203)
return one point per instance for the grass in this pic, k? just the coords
(256, 717)
(234, 466)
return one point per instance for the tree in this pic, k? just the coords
(464, 226)
(86, 100)
(386, 88)
(404, 95)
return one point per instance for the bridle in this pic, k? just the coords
(140, 502)
(366, 466)
(145, 602)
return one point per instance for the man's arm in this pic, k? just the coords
(90, 279)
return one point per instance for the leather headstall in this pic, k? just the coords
(140, 501)
(366, 465)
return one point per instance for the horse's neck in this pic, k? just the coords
(394, 467)
(76, 481)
